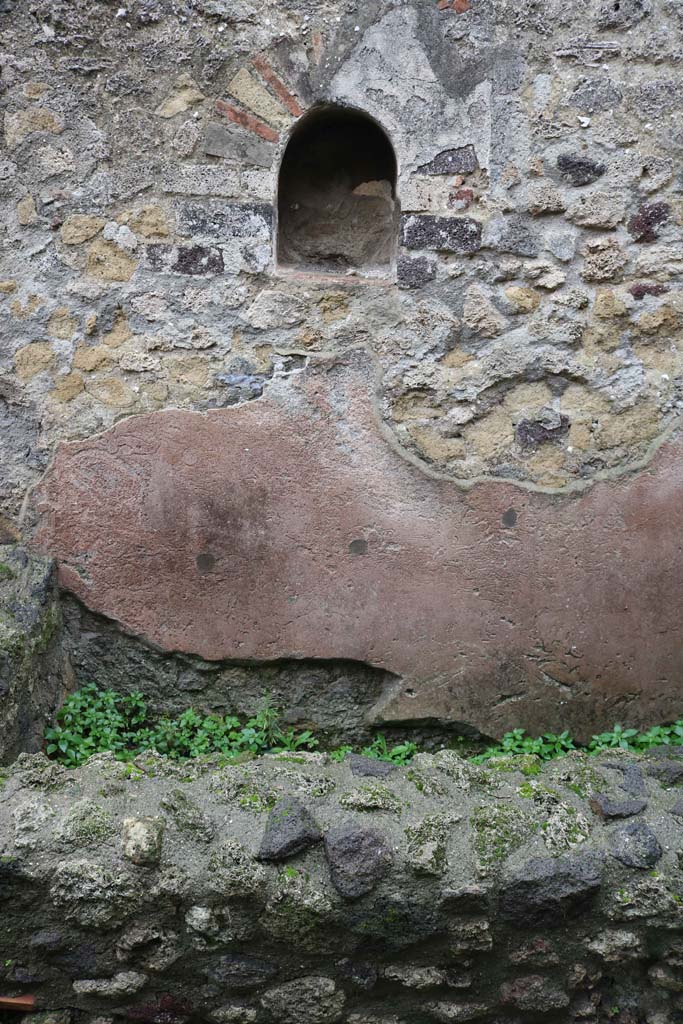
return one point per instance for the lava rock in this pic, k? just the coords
(632, 780)
(533, 993)
(358, 859)
(227, 220)
(314, 1000)
(579, 170)
(289, 830)
(414, 273)
(185, 259)
(605, 807)
(665, 766)
(642, 226)
(547, 426)
(595, 95)
(462, 160)
(369, 767)
(240, 973)
(635, 845)
(545, 890)
(444, 234)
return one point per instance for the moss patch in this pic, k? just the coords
(499, 830)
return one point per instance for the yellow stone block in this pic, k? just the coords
(68, 387)
(91, 358)
(184, 94)
(112, 392)
(608, 304)
(108, 263)
(120, 332)
(19, 124)
(80, 227)
(26, 211)
(61, 324)
(245, 88)
(525, 300)
(33, 359)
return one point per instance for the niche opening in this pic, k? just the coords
(337, 207)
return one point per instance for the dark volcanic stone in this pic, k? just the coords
(229, 220)
(240, 972)
(444, 234)
(546, 891)
(650, 216)
(185, 259)
(289, 830)
(369, 766)
(462, 160)
(632, 781)
(530, 433)
(605, 807)
(198, 259)
(677, 809)
(50, 940)
(361, 975)
(358, 859)
(579, 170)
(414, 273)
(665, 766)
(635, 845)
(643, 288)
(472, 899)
(533, 993)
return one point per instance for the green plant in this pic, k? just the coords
(547, 746)
(402, 753)
(93, 721)
(340, 752)
(631, 739)
(551, 745)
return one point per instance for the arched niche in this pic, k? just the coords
(337, 206)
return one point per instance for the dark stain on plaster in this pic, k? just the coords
(509, 518)
(205, 562)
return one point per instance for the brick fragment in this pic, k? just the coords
(279, 88)
(245, 120)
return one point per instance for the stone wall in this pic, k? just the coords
(464, 472)
(293, 889)
(31, 676)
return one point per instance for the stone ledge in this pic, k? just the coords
(291, 888)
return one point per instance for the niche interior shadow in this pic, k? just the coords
(337, 207)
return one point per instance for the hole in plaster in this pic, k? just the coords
(337, 207)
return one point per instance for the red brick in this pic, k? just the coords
(279, 88)
(245, 120)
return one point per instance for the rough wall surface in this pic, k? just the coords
(31, 680)
(527, 339)
(294, 889)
